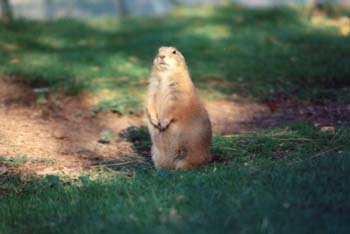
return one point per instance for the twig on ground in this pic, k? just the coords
(294, 139)
(232, 135)
(117, 164)
(110, 170)
(319, 154)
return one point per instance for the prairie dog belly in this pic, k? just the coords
(169, 140)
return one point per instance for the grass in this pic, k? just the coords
(292, 179)
(14, 161)
(288, 180)
(21, 160)
(262, 54)
(123, 106)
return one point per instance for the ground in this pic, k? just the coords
(66, 132)
(74, 152)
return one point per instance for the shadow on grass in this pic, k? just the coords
(140, 139)
(141, 144)
(257, 53)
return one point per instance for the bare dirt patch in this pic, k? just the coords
(64, 130)
(62, 136)
(235, 117)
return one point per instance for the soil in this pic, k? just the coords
(62, 136)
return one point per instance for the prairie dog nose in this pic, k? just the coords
(161, 56)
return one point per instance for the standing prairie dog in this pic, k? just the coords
(177, 120)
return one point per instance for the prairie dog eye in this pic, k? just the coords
(174, 52)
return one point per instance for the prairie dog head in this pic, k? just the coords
(169, 59)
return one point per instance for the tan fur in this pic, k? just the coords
(177, 120)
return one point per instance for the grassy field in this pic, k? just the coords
(264, 54)
(289, 179)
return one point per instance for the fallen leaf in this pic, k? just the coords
(329, 129)
(3, 170)
(59, 134)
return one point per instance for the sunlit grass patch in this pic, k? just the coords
(211, 31)
(122, 106)
(14, 161)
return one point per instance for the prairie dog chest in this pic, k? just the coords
(165, 88)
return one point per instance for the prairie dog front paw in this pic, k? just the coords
(153, 119)
(164, 124)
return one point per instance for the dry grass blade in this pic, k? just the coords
(336, 134)
(229, 148)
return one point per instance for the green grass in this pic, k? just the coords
(276, 182)
(264, 54)
(18, 161)
(14, 161)
(123, 106)
(292, 179)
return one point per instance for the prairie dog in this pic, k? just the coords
(178, 123)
